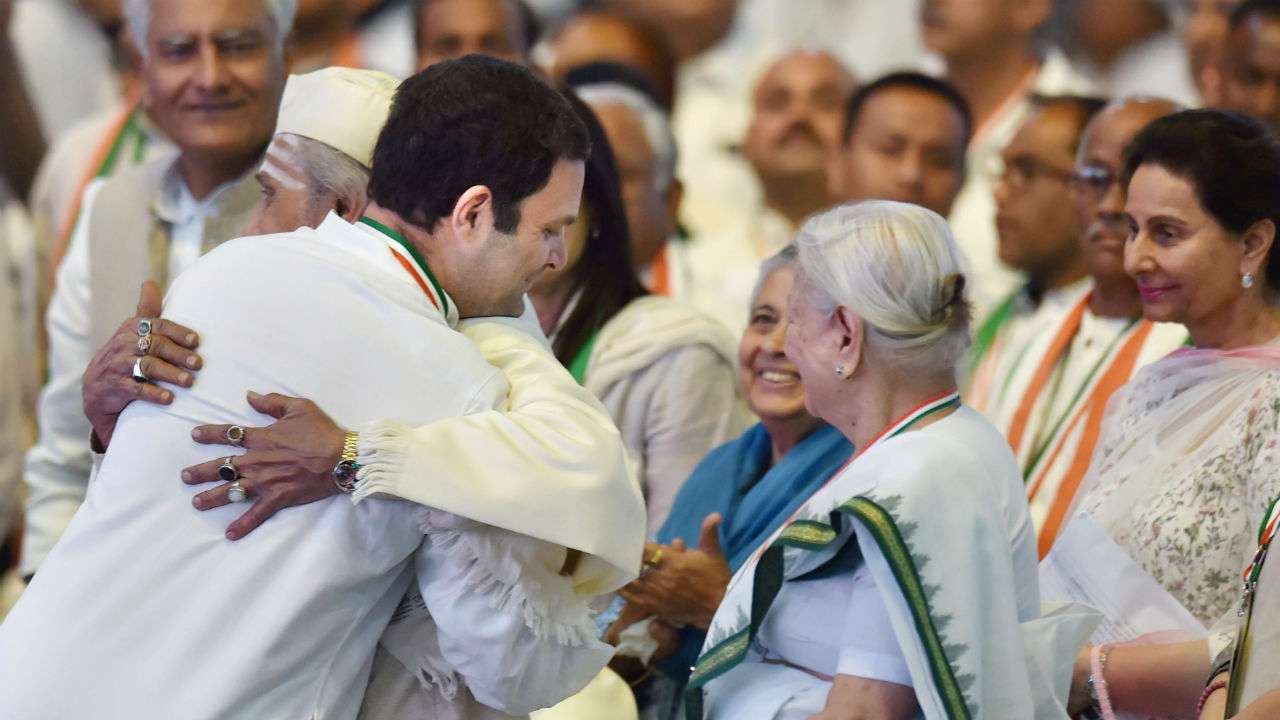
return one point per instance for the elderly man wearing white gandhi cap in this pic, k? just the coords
(476, 517)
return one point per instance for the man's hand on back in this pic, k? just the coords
(109, 385)
(288, 463)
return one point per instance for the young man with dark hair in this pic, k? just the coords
(904, 138)
(289, 625)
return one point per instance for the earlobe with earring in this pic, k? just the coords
(839, 369)
(1246, 280)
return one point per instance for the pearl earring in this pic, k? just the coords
(1246, 281)
(840, 369)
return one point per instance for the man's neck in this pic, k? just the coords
(203, 176)
(797, 197)
(1115, 299)
(1061, 275)
(988, 79)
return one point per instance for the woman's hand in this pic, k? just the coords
(1078, 699)
(109, 386)
(684, 586)
(288, 463)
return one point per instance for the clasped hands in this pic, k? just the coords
(287, 463)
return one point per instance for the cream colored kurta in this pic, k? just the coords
(289, 627)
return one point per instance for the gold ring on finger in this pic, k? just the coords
(144, 344)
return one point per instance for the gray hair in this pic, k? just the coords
(897, 267)
(329, 170)
(654, 120)
(137, 15)
(784, 258)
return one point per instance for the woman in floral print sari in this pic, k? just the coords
(906, 586)
(1188, 460)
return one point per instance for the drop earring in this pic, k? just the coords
(1246, 280)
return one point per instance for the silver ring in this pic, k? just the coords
(235, 435)
(144, 326)
(138, 374)
(227, 471)
(236, 493)
(144, 344)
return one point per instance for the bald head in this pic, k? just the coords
(797, 113)
(1098, 197)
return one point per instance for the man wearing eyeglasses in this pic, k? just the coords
(1059, 390)
(1039, 236)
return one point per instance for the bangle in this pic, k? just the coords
(1098, 680)
(1214, 687)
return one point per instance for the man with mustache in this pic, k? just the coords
(212, 74)
(1039, 235)
(1062, 385)
(797, 110)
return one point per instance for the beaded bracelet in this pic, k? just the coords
(1098, 680)
(1213, 687)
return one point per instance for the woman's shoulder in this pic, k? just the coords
(652, 328)
(947, 452)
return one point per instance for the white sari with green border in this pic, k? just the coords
(939, 516)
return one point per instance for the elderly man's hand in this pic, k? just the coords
(683, 586)
(288, 463)
(109, 386)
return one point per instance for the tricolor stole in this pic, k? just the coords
(816, 534)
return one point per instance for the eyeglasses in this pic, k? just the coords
(1018, 172)
(1093, 179)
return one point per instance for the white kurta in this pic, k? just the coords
(144, 610)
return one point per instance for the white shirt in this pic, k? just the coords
(973, 214)
(65, 60)
(57, 468)
(147, 611)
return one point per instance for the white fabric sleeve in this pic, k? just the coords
(508, 624)
(58, 466)
(693, 408)
(550, 433)
(869, 649)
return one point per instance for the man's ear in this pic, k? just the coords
(350, 207)
(850, 331)
(472, 215)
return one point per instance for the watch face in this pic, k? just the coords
(345, 470)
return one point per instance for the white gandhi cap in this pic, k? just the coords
(340, 107)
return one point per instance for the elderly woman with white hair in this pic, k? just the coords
(906, 585)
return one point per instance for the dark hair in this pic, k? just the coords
(1232, 161)
(594, 73)
(1242, 12)
(910, 80)
(1084, 106)
(530, 25)
(604, 274)
(472, 121)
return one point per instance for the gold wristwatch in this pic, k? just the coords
(344, 473)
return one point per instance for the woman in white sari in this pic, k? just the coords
(1188, 461)
(906, 586)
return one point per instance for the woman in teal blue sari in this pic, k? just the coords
(732, 502)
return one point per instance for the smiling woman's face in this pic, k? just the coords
(770, 381)
(1187, 266)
